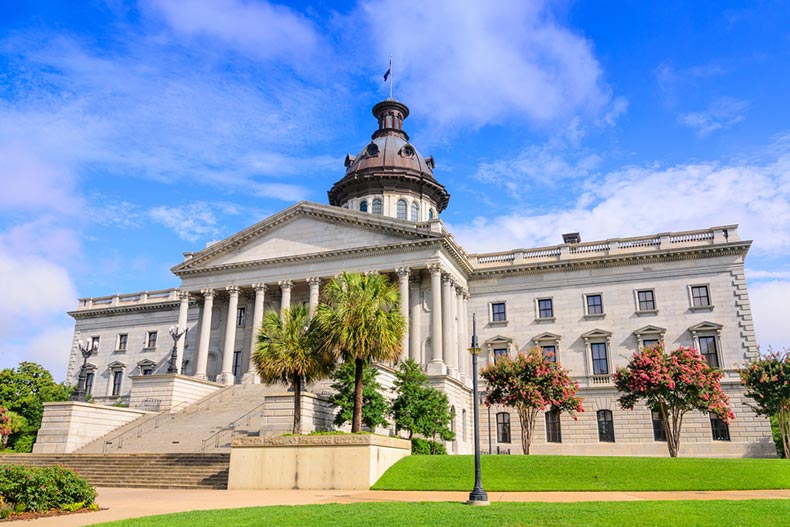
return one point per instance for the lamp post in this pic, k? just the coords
(176, 335)
(478, 496)
(86, 348)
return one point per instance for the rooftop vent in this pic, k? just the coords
(571, 237)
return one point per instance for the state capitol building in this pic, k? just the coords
(590, 304)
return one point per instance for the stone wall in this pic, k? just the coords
(278, 408)
(67, 426)
(160, 393)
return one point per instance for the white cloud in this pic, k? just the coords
(478, 63)
(30, 183)
(769, 301)
(722, 114)
(190, 222)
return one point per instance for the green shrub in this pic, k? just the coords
(425, 447)
(24, 443)
(780, 449)
(43, 488)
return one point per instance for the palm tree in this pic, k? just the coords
(287, 352)
(359, 320)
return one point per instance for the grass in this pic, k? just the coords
(572, 473)
(590, 514)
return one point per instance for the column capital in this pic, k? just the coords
(448, 279)
(314, 281)
(435, 268)
(183, 294)
(285, 284)
(259, 287)
(459, 289)
(233, 290)
(403, 272)
(208, 293)
(371, 272)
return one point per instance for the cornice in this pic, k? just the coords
(617, 260)
(132, 308)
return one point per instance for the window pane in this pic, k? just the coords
(503, 427)
(649, 343)
(117, 377)
(707, 347)
(594, 305)
(241, 313)
(89, 383)
(550, 352)
(415, 212)
(545, 308)
(401, 209)
(363, 207)
(659, 434)
(600, 363)
(152, 335)
(719, 429)
(122, 339)
(498, 312)
(605, 426)
(646, 300)
(377, 206)
(553, 430)
(95, 344)
(699, 295)
(499, 352)
(430, 214)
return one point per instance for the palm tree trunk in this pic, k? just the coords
(297, 383)
(356, 424)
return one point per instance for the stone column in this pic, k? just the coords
(226, 376)
(314, 283)
(183, 311)
(437, 362)
(403, 278)
(285, 302)
(467, 339)
(448, 300)
(459, 329)
(415, 305)
(257, 319)
(205, 333)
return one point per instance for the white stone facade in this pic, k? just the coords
(595, 321)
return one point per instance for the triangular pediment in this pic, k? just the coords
(546, 336)
(116, 365)
(146, 363)
(597, 334)
(650, 330)
(305, 230)
(705, 326)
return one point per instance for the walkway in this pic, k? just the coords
(123, 503)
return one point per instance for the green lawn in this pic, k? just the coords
(775, 513)
(567, 473)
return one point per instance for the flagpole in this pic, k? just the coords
(390, 75)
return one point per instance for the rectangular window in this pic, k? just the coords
(594, 305)
(550, 352)
(241, 313)
(151, 339)
(647, 301)
(237, 364)
(545, 308)
(117, 378)
(605, 426)
(707, 347)
(148, 371)
(503, 427)
(89, 382)
(499, 352)
(600, 362)
(123, 339)
(498, 312)
(719, 429)
(649, 343)
(659, 434)
(700, 296)
(95, 344)
(553, 430)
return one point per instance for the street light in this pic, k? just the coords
(86, 348)
(478, 496)
(176, 335)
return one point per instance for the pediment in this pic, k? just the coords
(650, 330)
(304, 230)
(546, 336)
(597, 334)
(499, 339)
(705, 326)
(116, 365)
(146, 363)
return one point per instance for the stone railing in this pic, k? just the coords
(615, 246)
(129, 299)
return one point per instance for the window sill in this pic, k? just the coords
(498, 323)
(595, 316)
(545, 319)
(647, 312)
(149, 349)
(120, 351)
(701, 308)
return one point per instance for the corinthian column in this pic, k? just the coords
(205, 333)
(314, 283)
(448, 301)
(403, 278)
(226, 376)
(257, 319)
(415, 344)
(460, 336)
(285, 287)
(183, 312)
(437, 362)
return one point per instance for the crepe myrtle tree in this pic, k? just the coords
(531, 384)
(672, 384)
(767, 382)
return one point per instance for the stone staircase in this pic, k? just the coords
(206, 426)
(156, 471)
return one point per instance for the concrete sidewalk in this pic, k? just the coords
(124, 503)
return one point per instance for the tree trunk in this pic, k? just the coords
(526, 417)
(297, 384)
(356, 423)
(672, 425)
(783, 419)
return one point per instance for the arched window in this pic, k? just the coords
(415, 212)
(401, 209)
(503, 427)
(605, 426)
(377, 206)
(430, 214)
(363, 206)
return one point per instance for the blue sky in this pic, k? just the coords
(131, 132)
